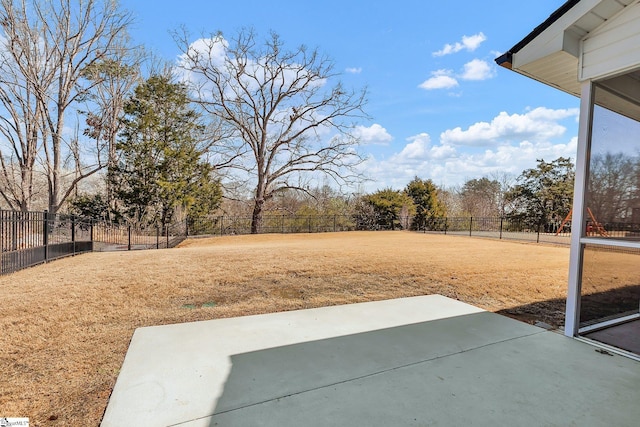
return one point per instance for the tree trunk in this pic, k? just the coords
(256, 217)
(26, 187)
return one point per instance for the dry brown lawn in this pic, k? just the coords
(65, 326)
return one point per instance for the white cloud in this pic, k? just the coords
(450, 166)
(509, 143)
(213, 54)
(536, 125)
(374, 134)
(477, 69)
(512, 159)
(353, 70)
(419, 148)
(469, 43)
(416, 148)
(418, 157)
(213, 50)
(441, 79)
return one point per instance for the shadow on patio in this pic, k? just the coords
(409, 362)
(595, 307)
(501, 372)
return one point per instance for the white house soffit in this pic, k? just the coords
(557, 70)
(539, 59)
(551, 40)
(614, 24)
(622, 106)
(608, 9)
(622, 95)
(587, 24)
(597, 16)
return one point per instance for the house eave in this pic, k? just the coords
(551, 52)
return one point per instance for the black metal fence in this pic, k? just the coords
(283, 224)
(505, 228)
(618, 230)
(31, 238)
(112, 237)
(500, 228)
(495, 227)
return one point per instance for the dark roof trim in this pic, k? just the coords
(505, 59)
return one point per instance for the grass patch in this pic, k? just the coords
(66, 325)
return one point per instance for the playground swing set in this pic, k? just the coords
(593, 226)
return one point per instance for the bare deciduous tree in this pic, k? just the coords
(48, 46)
(289, 125)
(505, 181)
(115, 78)
(21, 62)
(481, 197)
(612, 186)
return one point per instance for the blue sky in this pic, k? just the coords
(440, 107)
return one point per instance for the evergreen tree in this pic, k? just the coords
(161, 166)
(424, 194)
(543, 195)
(385, 209)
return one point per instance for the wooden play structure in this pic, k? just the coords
(593, 226)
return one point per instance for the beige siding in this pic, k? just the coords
(614, 47)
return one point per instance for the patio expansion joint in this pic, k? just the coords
(360, 377)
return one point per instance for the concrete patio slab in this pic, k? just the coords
(414, 361)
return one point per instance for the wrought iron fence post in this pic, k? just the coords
(309, 223)
(501, 219)
(166, 231)
(157, 237)
(45, 234)
(129, 238)
(14, 232)
(446, 225)
(470, 225)
(221, 225)
(73, 232)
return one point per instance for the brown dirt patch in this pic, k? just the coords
(66, 325)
